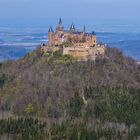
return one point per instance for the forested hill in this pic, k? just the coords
(74, 100)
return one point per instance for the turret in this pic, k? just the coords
(60, 21)
(60, 26)
(84, 31)
(72, 28)
(50, 29)
(93, 39)
(50, 36)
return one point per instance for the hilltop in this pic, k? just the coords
(79, 44)
(76, 99)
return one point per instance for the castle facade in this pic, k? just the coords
(80, 45)
(76, 38)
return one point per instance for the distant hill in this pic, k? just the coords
(77, 100)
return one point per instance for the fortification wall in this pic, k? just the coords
(84, 52)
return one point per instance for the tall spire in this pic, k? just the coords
(60, 21)
(60, 26)
(72, 27)
(50, 29)
(84, 28)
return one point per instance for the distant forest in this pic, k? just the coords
(56, 97)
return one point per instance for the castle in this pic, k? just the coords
(75, 43)
(76, 38)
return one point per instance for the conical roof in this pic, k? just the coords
(84, 28)
(60, 21)
(50, 29)
(72, 26)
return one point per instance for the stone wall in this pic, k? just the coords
(85, 52)
(57, 38)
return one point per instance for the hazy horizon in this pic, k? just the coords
(45, 12)
(116, 22)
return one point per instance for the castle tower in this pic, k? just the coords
(50, 36)
(60, 26)
(60, 21)
(50, 29)
(84, 31)
(72, 28)
(94, 42)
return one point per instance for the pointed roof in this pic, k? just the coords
(84, 28)
(60, 21)
(72, 26)
(50, 29)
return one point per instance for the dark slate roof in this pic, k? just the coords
(60, 21)
(72, 26)
(92, 33)
(50, 29)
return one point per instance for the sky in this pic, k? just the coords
(31, 11)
